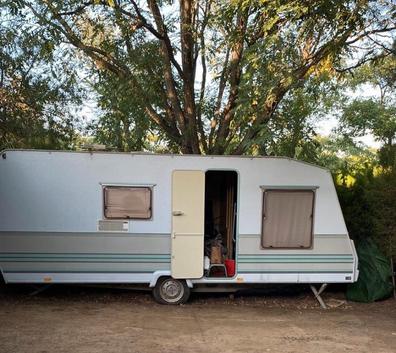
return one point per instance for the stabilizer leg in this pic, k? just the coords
(317, 294)
(40, 289)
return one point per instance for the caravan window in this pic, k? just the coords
(287, 219)
(124, 202)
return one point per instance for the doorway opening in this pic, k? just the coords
(221, 191)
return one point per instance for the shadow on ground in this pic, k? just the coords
(297, 296)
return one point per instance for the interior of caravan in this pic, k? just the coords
(221, 192)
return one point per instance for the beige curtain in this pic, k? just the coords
(287, 219)
(127, 202)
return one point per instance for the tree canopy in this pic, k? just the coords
(375, 114)
(209, 75)
(37, 91)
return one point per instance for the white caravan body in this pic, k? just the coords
(53, 228)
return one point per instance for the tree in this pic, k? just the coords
(346, 159)
(369, 209)
(36, 95)
(375, 115)
(292, 131)
(121, 123)
(225, 66)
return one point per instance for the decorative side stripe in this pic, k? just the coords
(241, 272)
(315, 235)
(294, 255)
(84, 258)
(115, 272)
(152, 271)
(77, 254)
(87, 257)
(49, 233)
(295, 258)
(265, 261)
(89, 261)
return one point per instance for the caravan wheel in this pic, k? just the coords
(171, 291)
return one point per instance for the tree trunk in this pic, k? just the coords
(188, 63)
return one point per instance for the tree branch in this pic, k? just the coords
(277, 93)
(173, 133)
(203, 77)
(160, 33)
(361, 62)
(78, 10)
(188, 64)
(166, 51)
(367, 33)
(234, 79)
(217, 112)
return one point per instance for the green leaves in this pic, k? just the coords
(37, 93)
(243, 75)
(376, 114)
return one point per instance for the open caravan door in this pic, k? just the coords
(188, 217)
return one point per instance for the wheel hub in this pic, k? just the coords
(171, 290)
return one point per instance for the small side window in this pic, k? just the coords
(287, 219)
(127, 202)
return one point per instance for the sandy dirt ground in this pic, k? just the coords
(84, 320)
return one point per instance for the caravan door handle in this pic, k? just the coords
(177, 213)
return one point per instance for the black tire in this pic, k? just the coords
(171, 291)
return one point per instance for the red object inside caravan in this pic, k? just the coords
(230, 266)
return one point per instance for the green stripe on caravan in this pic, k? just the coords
(313, 261)
(79, 254)
(241, 272)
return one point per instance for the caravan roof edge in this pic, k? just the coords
(163, 154)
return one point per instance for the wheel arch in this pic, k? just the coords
(158, 274)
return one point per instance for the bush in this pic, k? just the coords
(369, 207)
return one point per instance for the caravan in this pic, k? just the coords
(173, 222)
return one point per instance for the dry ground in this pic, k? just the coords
(82, 320)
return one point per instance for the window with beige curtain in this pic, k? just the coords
(287, 219)
(124, 202)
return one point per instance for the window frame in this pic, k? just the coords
(286, 189)
(124, 186)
